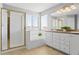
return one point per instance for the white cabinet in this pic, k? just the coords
(48, 39)
(64, 42)
(61, 42)
(34, 35)
(56, 39)
(33, 40)
(74, 45)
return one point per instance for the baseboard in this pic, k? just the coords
(58, 50)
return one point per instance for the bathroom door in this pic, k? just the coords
(4, 29)
(16, 29)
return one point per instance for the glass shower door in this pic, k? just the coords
(16, 29)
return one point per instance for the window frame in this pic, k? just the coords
(42, 27)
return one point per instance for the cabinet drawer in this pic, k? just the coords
(64, 46)
(74, 52)
(56, 42)
(65, 49)
(54, 37)
(64, 43)
(56, 46)
(65, 39)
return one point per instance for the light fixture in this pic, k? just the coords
(58, 12)
(67, 9)
(73, 7)
(62, 10)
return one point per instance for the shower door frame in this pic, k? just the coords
(8, 28)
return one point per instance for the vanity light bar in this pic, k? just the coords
(66, 9)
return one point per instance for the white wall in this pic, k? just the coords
(13, 8)
(78, 21)
(0, 5)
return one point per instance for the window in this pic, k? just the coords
(57, 23)
(53, 23)
(60, 23)
(44, 22)
(35, 20)
(31, 22)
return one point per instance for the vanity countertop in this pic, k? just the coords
(68, 32)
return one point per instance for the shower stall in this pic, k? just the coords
(12, 29)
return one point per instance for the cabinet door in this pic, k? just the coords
(74, 45)
(34, 35)
(64, 43)
(56, 39)
(48, 39)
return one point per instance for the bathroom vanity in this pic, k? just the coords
(64, 41)
(67, 42)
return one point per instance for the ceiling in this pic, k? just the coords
(40, 7)
(37, 7)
